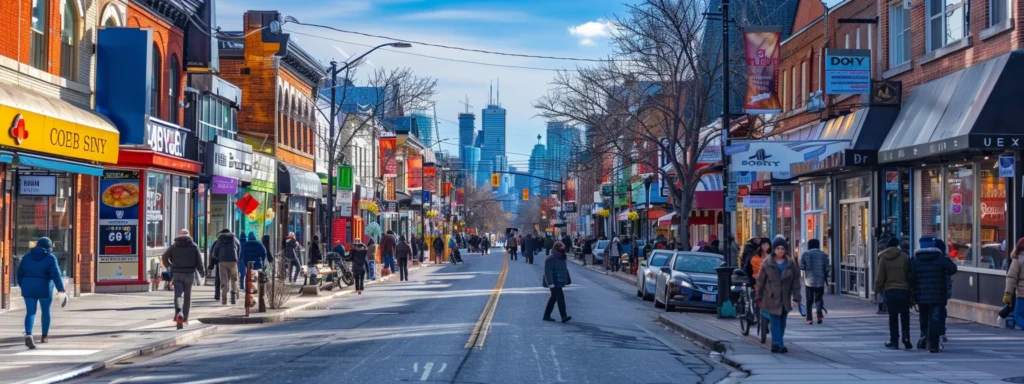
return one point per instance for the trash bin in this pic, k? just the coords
(726, 307)
(372, 272)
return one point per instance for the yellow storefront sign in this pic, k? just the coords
(32, 122)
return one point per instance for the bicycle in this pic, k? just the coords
(747, 309)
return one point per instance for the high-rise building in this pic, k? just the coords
(467, 129)
(493, 124)
(471, 164)
(425, 127)
(562, 141)
(538, 168)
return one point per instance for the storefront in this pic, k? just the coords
(52, 150)
(300, 190)
(958, 142)
(229, 166)
(263, 191)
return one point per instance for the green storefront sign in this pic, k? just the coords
(345, 178)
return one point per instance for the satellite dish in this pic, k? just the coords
(275, 27)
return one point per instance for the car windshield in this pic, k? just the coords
(602, 244)
(659, 259)
(697, 263)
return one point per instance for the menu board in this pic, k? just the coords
(118, 257)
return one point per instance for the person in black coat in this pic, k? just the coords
(315, 255)
(929, 270)
(266, 245)
(556, 277)
(359, 268)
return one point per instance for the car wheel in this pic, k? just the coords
(668, 307)
(639, 294)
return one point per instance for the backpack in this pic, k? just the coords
(227, 251)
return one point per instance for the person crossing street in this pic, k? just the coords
(184, 261)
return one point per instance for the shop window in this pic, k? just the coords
(929, 203)
(39, 35)
(992, 236)
(157, 193)
(998, 11)
(960, 212)
(947, 22)
(69, 42)
(47, 211)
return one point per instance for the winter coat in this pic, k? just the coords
(358, 253)
(556, 272)
(777, 290)
(340, 251)
(183, 256)
(567, 242)
(226, 248)
(749, 250)
(315, 256)
(38, 274)
(928, 271)
(291, 250)
(388, 244)
(528, 245)
(893, 270)
(371, 251)
(815, 265)
(403, 251)
(266, 245)
(252, 251)
(438, 244)
(452, 244)
(753, 266)
(588, 247)
(549, 243)
(1015, 278)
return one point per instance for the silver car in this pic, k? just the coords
(647, 274)
(598, 251)
(688, 280)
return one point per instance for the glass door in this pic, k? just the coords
(854, 239)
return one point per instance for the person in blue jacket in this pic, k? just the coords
(253, 251)
(38, 274)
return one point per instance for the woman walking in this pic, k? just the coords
(1015, 281)
(778, 287)
(358, 253)
(291, 256)
(38, 274)
(556, 276)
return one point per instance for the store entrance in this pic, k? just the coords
(298, 223)
(854, 239)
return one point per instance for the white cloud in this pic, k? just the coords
(468, 15)
(589, 32)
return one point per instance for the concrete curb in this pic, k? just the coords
(87, 368)
(701, 336)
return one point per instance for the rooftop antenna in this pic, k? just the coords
(498, 98)
(538, 139)
(490, 94)
(467, 104)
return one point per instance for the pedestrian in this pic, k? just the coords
(929, 268)
(184, 261)
(567, 242)
(511, 246)
(453, 247)
(38, 275)
(588, 249)
(388, 242)
(893, 280)
(414, 245)
(549, 243)
(752, 247)
(437, 247)
(403, 251)
(778, 288)
(763, 252)
(359, 254)
(227, 249)
(266, 245)
(371, 254)
(611, 254)
(815, 265)
(315, 255)
(253, 252)
(291, 257)
(713, 247)
(556, 277)
(1015, 282)
(486, 244)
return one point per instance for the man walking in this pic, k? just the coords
(226, 249)
(929, 269)
(437, 246)
(387, 248)
(556, 277)
(549, 243)
(184, 261)
(815, 265)
(403, 251)
(251, 252)
(892, 281)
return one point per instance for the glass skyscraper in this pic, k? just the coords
(493, 124)
(426, 127)
(538, 168)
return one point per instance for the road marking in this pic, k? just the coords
(443, 366)
(426, 371)
(558, 367)
(415, 367)
(483, 324)
(536, 357)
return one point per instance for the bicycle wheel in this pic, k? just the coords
(762, 329)
(741, 307)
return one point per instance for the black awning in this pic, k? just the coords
(971, 109)
(297, 181)
(864, 129)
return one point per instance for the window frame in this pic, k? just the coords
(943, 16)
(69, 65)
(803, 82)
(39, 40)
(899, 33)
(173, 90)
(1005, 12)
(154, 90)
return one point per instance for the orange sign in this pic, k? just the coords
(762, 54)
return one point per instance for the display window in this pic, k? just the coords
(44, 206)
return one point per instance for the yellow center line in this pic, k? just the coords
(483, 324)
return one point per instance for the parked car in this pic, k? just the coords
(688, 280)
(647, 274)
(599, 251)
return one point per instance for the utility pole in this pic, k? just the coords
(726, 228)
(331, 156)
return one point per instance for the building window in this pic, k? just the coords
(998, 11)
(785, 93)
(154, 91)
(847, 41)
(803, 82)
(947, 22)
(69, 42)
(38, 38)
(899, 34)
(857, 42)
(173, 79)
(792, 76)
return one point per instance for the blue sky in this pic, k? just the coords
(575, 28)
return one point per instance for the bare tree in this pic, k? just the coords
(651, 97)
(484, 211)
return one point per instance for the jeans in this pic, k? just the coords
(930, 322)
(403, 269)
(359, 279)
(942, 320)
(557, 297)
(815, 295)
(1018, 313)
(899, 314)
(242, 270)
(30, 313)
(778, 329)
(389, 261)
(295, 267)
(228, 280)
(183, 291)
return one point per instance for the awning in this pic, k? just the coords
(654, 213)
(666, 220)
(53, 126)
(297, 181)
(863, 131)
(708, 200)
(59, 165)
(969, 109)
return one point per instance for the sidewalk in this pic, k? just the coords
(99, 330)
(622, 275)
(849, 347)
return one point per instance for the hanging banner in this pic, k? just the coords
(388, 162)
(460, 196)
(429, 178)
(345, 178)
(570, 190)
(414, 180)
(777, 155)
(762, 54)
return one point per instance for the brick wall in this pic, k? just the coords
(169, 42)
(85, 234)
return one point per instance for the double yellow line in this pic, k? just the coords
(483, 325)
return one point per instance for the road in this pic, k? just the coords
(420, 330)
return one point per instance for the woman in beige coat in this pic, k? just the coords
(1015, 281)
(778, 288)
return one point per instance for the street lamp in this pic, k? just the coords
(333, 71)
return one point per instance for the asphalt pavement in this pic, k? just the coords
(467, 323)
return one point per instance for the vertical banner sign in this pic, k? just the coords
(345, 178)
(389, 188)
(429, 175)
(118, 258)
(570, 190)
(388, 162)
(460, 196)
(847, 71)
(762, 54)
(415, 175)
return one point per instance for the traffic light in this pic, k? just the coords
(495, 180)
(526, 194)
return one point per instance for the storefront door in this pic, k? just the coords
(180, 210)
(854, 239)
(298, 223)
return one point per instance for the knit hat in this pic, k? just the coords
(44, 242)
(894, 242)
(780, 242)
(559, 246)
(813, 244)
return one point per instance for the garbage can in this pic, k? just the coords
(372, 272)
(726, 308)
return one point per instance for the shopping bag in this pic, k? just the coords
(64, 299)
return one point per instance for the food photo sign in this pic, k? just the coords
(118, 258)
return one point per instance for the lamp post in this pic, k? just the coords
(334, 70)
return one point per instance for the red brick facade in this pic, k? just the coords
(169, 41)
